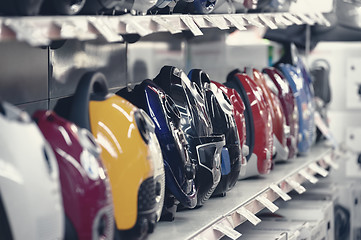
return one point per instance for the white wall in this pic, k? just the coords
(344, 110)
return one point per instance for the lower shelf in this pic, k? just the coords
(219, 216)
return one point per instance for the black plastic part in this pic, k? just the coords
(131, 38)
(5, 230)
(70, 232)
(169, 207)
(342, 222)
(146, 218)
(2, 110)
(62, 7)
(76, 108)
(20, 7)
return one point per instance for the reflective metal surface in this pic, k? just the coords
(71, 60)
(24, 73)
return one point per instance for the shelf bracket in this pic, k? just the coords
(296, 186)
(164, 22)
(191, 25)
(239, 24)
(330, 162)
(227, 231)
(267, 203)
(248, 215)
(280, 192)
(308, 176)
(314, 167)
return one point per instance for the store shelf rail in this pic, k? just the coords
(220, 216)
(42, 30)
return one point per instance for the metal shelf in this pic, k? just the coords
(41, 30)
(219, 216)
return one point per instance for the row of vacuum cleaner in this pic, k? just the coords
(110, 166)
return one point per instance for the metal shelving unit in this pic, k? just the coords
(41, 30)
(219, 216)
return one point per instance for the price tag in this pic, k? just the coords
(188, 21)
(248, 215)
(103, 27)
(305, 19)
(280, 192)
(330, 162)
(323, 19)
(296, 186)
(293, 19)
(267, 21)
(227, 230)
(267, 203)
(318, 169)
(308, 176)
(253, 20)
(284, 20)
(315, 18)
(237, 21)
(137, 27)
(217, 20)
(164, 22)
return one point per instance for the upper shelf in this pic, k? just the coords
(219, 216)
(41, 30)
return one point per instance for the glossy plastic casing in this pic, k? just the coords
(297, 84)
(30, 199)
(280, 129)
(310, 97)
(258, 123)
(205, 149)
(63, 7)
(220, 112)
(179, 170)
(123, 133)
(84, 182)
(238, 115)
(289, 106)
(110, 6)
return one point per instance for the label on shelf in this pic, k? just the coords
(308, 176)
(237, 21)
(267, 203)
(164, 22)
(318, 169)
(227, 230)
(103, 27)
(330, 162)
(137, 27)
(280, 192)
(253, 20)
(296, 186)
(280, 18)
(305, 19)
(324, 20)
(191, 25)
(248, 215)
(293, 19)
(218, 21)
(268, 22)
